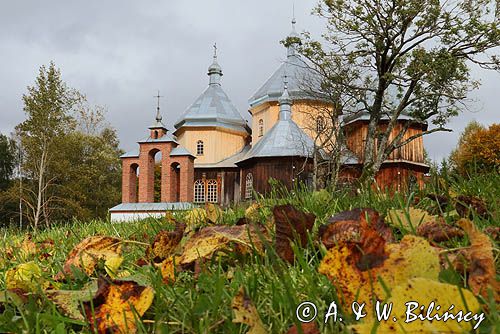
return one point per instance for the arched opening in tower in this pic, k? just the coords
(134, 183)
(175, 182)
(157, 176)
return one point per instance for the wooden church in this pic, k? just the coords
(215, 156)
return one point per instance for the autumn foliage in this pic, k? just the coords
(478, 149)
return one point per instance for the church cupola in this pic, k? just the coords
(293, 40)
(215, 71)
(285, 102)
(158, 130)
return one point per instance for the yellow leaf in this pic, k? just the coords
(167, 269)
(424, 291)
(112, 264)
(246, 313)
(26, 276)
(115, 304)
(87, 253)
(214, 212)
(252, 213)
(410, 219)
(413, 257)
(210, 239)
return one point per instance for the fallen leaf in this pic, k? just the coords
(27, 277)
(252, 213)
(112, 264)
(409, 220)
(167, 269)
(70, 301)
(345, 226)
(291, 225)
(359, 278)
(424, 291)
(214, 212)
(165, 243)
(482, 263)
(307, 328)
(466, 205)
(211, 239)
(438, 231)
(87, 253)
(114, 307)
(246, 313)
(493, 232)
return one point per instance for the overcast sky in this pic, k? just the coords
(120, 52)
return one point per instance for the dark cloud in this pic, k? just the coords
(120, 52)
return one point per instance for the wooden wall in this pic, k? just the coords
(281, 169)
(228, 182)
(356, 134)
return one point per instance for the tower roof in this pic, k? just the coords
(298, 71)
(213, 107)
(286, 138)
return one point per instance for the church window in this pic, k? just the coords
(249, 186)
(261, 127)
(212, 191)
(199, 191)
(199, 147)
(156, 135)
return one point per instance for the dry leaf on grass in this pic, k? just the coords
(307, 328)
(467, 205)
(345, 226)
(357, 268)
(246, 313)
(27, 277)
(211, 239)
(165, 243)
(69, 301)
(87, 253)
(116, 306)
(424, 291)
(409, 220)
(291, 224)
(482, 263)
(438, 231)
(167, 268)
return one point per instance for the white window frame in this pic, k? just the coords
(212, 188)
(199, 191)
(248, 186)
(200, 147)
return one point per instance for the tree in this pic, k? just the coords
(478, 149)
(7, 161)
(391, 58)
(48, 106)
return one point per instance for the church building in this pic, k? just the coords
(213, 155)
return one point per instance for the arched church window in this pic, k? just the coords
(249, 186)
(212, 191)
(156, 135)
(261, 127)
(199, 191)
(199, 147)
(320, 124)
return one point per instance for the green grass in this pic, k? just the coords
(203, 304)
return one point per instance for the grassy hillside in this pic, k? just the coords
(201, 302)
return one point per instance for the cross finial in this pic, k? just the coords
(293, 16)
(215, 50)
(158, 116)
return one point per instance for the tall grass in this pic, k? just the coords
(203, 304)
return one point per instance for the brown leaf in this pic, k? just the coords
(113, 306)
(291, 224)
(345, 226)
(87, 253)
(307, 328)
(165, 243)
(438, 231)
(246, 313)
(466, 205)
(442, 201)
(482, 263)
(208, 240)
(493, 232)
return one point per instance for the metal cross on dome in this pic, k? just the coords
(158, 116)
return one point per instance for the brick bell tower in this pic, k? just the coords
(177, 168)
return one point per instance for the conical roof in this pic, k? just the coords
(213, 107)
(297, 70)
(285, 139)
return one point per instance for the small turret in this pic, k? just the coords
(285, 102)
(215, 71)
